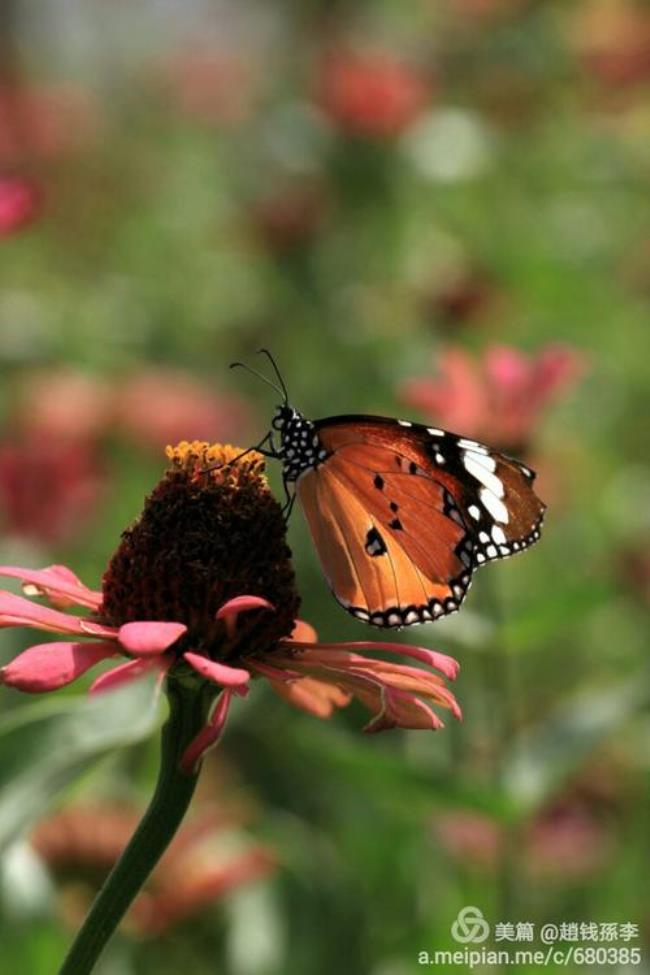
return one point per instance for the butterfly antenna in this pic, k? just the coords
(277, 373)
(264, 379)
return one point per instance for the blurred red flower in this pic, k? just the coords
(462, 295)
(51, 474)
(20, 204)
(500, 398)
(632, 568)
(612, 39)
(45, 122)
(289, 219)
(49, 489)
(159, 406)
(371, 94)
(80, 845)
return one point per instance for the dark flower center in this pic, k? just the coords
(205, 536)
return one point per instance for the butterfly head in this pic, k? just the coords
(283, 417)
(300, 447)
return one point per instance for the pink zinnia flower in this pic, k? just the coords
(500, 398)
(201, 588)
(20, 204)
(371, 94)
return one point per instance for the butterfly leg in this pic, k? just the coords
(249, 450)
(289, 502)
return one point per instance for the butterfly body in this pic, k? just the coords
(401, 514)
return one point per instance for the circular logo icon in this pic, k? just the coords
(470, 926)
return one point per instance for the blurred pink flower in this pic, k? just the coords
(212, 84)
(20, 204)
(156, 621)
(566, 839)
(159, 406)
(81, 843)
(499, 399)
(472, 837)
(45, 122)
(64, 405)
(49, 489)
(371, 94)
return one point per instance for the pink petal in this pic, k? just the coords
(49, 666)
(465, 398)
(209, 735)
(445, 664)
(284, 674)
(508, 368)
(234, 677)
(557, 367)
(317, 697)
(303, 632)
(57, 582)
(20, 203)
(146, 638)
(240, 604)
(409, 712)
(18, 611)
(130, 671)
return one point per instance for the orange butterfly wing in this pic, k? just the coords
(402, 514)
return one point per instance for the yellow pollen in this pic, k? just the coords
(199, 457)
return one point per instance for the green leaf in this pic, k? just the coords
(45, 746)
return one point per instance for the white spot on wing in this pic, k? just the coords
(496, 507)
(485, 477)
(435, 432)
(474, 512)
(405, 423)
(489, 463)
(472, 445)
(498, 535)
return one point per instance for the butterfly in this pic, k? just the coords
(401, 514)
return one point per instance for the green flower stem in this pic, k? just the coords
(187, 714)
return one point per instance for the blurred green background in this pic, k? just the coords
(416, 206)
